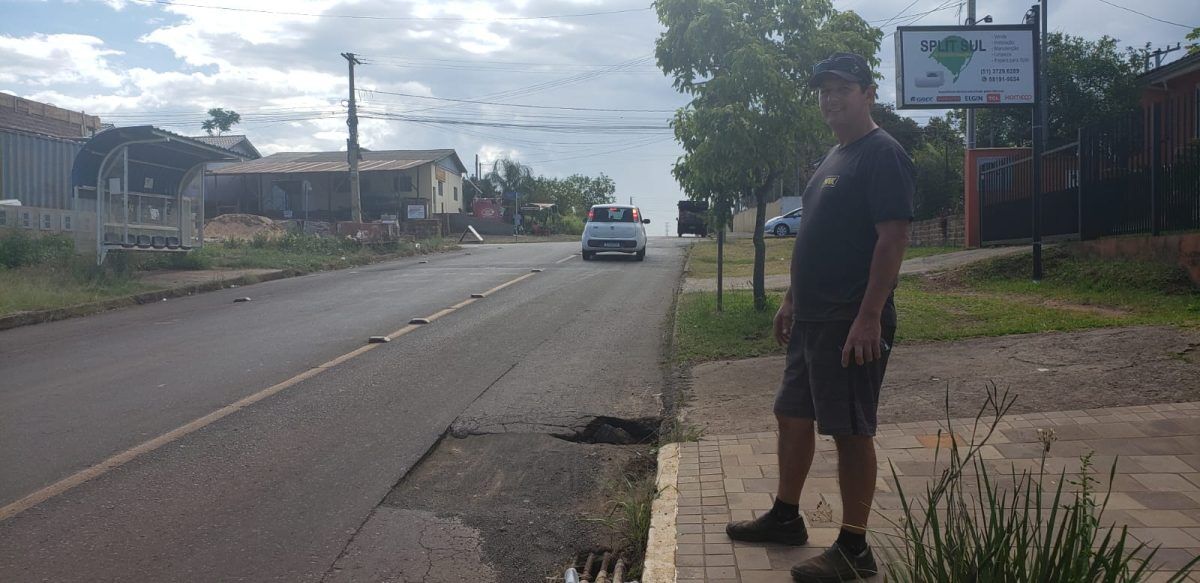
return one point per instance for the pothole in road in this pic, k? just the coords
(615, 431)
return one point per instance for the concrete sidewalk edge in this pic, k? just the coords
(660, 546)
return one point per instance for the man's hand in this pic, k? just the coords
(783, 321)
(863, 343)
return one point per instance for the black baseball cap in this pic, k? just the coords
(848, 66)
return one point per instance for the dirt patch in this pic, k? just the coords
(534, 500)
(241, 226)
(1109, 367)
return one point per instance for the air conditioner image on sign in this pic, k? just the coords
(931, 79)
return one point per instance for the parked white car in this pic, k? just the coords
(614, 228)
(784, 225)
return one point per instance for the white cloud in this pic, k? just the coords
(57, 59)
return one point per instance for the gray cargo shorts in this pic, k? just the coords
(843, 401)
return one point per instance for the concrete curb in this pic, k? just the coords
(660, 548)
(44, 316)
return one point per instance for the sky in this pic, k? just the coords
(564, 86)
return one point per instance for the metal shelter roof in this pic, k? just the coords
(312, 162)
(147, 144)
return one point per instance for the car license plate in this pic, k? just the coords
(612, 244)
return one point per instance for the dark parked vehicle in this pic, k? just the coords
(693, 218)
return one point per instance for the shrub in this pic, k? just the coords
(991, 532)
(570, 225)
(18, 249)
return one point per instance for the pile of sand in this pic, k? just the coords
(241, 226)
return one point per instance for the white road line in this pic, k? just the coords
(565, 259)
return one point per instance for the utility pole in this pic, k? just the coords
(1158, 55)
(1038, 120)
(352, 153)
(971, 111)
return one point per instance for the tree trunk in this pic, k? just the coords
(760, 246)
(720, 267)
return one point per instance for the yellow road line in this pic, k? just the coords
(116, 461)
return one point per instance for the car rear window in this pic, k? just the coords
(604, 214)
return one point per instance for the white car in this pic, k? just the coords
(784, 225)
(614, 228)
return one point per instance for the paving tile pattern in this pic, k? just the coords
(1156, 492)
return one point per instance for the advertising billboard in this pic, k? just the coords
(945, 67)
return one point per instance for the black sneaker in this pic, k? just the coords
(768, 529)
(836, 565)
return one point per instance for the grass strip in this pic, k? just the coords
(991, 298)
(739, 256)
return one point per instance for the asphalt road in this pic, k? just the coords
(275, 490)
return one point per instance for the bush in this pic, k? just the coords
(1022, 532)
(18, 249)
(570, 225)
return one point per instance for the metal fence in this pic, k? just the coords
(1005, 189)
(1138, 173)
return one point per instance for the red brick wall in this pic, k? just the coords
(1181, 249)
(940, 232)
(32, 116)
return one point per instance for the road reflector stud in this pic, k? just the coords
(419, 321)
(477, 296)
(378, 339)
(422, 262)
(536, 270)
(240, 300)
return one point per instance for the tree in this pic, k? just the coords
(1194, 47)
(510, 176)
(904, 129)
(220, 120)
(745, 63)
(1089, 81)
(938, 161)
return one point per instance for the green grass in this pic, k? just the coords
(991, 298)
(915, 252)
(52, 281)
(300, 253)
(738, 332)
(739, 257)
(34, 288)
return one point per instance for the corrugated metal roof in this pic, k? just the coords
(36, 169)
(312, 162)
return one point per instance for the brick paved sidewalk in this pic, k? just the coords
(733, 477)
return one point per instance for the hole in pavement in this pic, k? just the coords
(616, 431)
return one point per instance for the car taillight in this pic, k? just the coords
(635, 216)
(591, 214)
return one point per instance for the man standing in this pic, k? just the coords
(838, 320)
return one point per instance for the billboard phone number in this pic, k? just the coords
(1000, 79)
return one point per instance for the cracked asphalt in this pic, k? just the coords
(293, 487)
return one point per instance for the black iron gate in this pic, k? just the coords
(1006, 197)
(1139, 173)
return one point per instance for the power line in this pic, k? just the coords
(394, 18)
(556, 127)
(564, 108)
(888, 21)
(1147, 15)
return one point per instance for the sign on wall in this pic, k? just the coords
(944, 67)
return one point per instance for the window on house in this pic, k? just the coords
(441, 188)
(455, 193)
(402, 183)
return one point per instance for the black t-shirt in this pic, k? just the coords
(856, 186)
